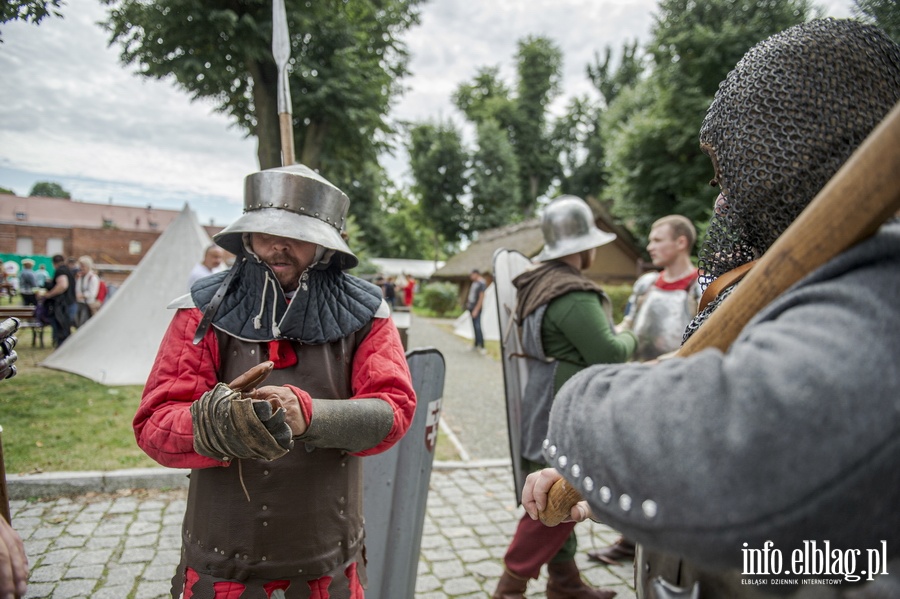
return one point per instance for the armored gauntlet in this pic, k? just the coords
(227, 425)
(8, 355)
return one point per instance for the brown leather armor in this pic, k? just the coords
(304, 517)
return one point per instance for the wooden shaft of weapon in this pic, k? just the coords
(860, 197)
(4, 495)
(286, 127)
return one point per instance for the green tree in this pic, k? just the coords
(7, 191)
(539, 69)
(438, 164)
(48, 189)
(346, 62)
(494, 180)
(610, 82)
(523, 115)
(402, 230)
(577, 134)
(654, 163)
(33, 11)
(884, 13)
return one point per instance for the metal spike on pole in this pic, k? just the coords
(281, 50)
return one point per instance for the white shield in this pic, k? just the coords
(508, 264)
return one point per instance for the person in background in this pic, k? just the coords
(409, 291)
(565, 322)
(87, 288)
(59, 300)
(213, 261)
(41, 276)
(390, 291)
(661, 306)
(28, 283)
(275, 497)
(474, 303)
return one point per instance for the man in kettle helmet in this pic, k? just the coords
(275, 499)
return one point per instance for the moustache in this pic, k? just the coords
(281, 258)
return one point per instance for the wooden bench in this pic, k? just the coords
(25, 314)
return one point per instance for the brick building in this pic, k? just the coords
(117, 237)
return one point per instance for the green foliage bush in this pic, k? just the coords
(440, 298)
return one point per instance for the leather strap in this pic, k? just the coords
(213, 306)
(723, 282)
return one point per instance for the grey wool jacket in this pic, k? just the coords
(793, 435)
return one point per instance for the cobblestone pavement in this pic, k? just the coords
(124, 544)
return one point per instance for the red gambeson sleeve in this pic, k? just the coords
(380, 370)
(181, 373)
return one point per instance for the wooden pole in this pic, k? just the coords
(4, 494)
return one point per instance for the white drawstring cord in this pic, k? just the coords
(257, 320)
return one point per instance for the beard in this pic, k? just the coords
(286, 268)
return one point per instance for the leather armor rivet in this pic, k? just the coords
(576, 470)
(605, 494)
(647, 567)
(265, 507)
(562, 461)
(552, 451)
(252, 352)
(265, 473)
(264, 558)
(271, 205)
(588, 484)
(545, 444)
(340, 543)
(625, 502)
(265, 523)
(650, 508)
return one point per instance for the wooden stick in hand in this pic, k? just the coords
(560, 500)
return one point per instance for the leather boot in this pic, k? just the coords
(621, 549)
(565, 583)
(510, 586)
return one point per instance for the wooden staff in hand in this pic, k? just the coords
(860, 197)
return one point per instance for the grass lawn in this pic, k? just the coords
(55, 421)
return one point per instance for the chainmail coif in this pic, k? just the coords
(782, 124)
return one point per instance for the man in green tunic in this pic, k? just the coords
(566, 324)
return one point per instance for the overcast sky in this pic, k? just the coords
(70, 113)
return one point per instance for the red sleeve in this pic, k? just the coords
(181, 373)
(380, 370)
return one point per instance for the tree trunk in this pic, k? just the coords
(268, 134)
(313, 142)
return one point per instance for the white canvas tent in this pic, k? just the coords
(490, 322)
(118, 345)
